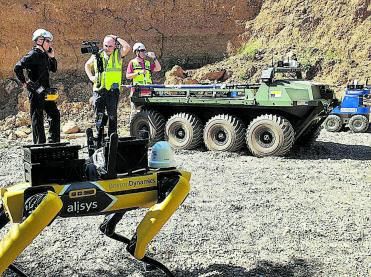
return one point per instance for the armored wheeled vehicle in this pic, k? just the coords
(269, 117)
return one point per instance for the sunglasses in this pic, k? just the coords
(48, 41)
(109, 46)
(142, 50)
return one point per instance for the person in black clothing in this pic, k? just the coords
(38, 62)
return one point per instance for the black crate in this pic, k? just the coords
(40, 153)
(54, 172)
(132, 154)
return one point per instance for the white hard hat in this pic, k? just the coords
(162, 155)
(42, 33)
(138, 46)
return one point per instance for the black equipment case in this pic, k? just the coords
(52, 163)
(132, 154)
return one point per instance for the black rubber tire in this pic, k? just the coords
(310, 135)
(148, 120)
(184, 131)
(333, 123)
(224, 132)
(277, 131)
(358, 123)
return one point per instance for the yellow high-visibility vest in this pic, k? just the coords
(112, 73)
(142, 79)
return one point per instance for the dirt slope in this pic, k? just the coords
(331, 39)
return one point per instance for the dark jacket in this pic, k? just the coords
(38, 64)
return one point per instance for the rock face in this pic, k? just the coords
(189, 32)
(330, 38)
(9, 91)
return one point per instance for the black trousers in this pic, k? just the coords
(37, 107)
(106, 100)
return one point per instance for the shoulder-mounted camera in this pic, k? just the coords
(90, 47)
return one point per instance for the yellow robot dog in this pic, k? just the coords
(116, 179)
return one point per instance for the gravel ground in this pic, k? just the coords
(307, 214)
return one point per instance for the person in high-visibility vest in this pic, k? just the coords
(140, 70)
(105, 72)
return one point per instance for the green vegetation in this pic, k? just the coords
(332, 55)
(251, 48)
(308, 57)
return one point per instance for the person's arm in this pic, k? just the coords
(156, 66)
(53, 65)
(130, 74)
(22, 64)
(125, 47)
(89, 68)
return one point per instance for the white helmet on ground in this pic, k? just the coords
(42, 33)
(162, 155)
(138, 46)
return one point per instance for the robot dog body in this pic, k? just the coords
(32, 208)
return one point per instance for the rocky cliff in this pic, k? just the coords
(330, 38)
(190, 33)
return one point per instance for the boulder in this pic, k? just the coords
(214, 76)
(20, 134)
(190, 81)
(22, 119)
(176, 71)
(173, 80)
(12, 136)
(70, 127)
(9, 122)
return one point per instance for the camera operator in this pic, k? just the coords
(106, 84)
(38, 62)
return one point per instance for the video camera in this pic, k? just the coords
(90, 47)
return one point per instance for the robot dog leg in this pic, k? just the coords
(173, 189)
(22, 234)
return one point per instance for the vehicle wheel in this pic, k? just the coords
(358, 123)
(333, 123)
(310, 134)
(148, 124)
(224, 132)
(270, 135)
(184, 131)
